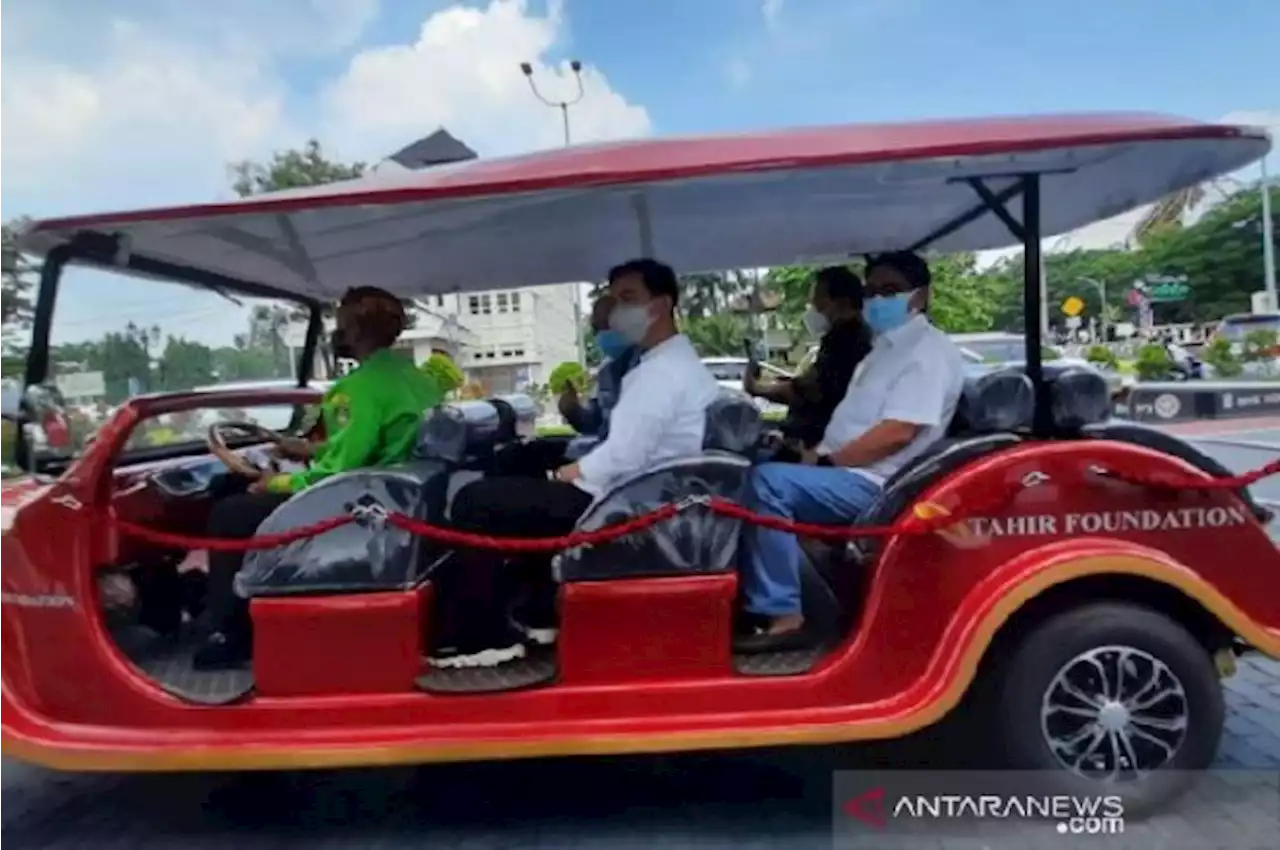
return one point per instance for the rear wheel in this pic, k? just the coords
(1111, 698)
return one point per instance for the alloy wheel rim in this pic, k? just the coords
(1114, 713)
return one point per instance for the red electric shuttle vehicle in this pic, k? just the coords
(1085, 581)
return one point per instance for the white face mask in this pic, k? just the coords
(632, 321)
(815, 323)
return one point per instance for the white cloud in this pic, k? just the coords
(771, 10)
(462, 72)
(738, 72)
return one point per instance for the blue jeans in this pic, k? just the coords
(816, 494)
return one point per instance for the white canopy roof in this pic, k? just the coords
(698, 203)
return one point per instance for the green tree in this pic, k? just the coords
(17, 282)
(291, 169)
(720, 335)
(1220, 254)
(567, 373)
(446, 373)
(185, 364)
(962, 300)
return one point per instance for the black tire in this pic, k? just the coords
(1030, 669)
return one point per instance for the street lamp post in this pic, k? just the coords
(1268, 241)
(563, 105)
(1102, 305)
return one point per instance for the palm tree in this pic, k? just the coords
(1168, 211)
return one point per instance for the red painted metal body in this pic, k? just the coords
(645, 663)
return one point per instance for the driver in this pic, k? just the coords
(371, 418)
(900, 400)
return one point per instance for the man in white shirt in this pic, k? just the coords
(660, 414)
(900, 400)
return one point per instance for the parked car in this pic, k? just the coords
(730, 372)
(1008, 349)
(1237, 326)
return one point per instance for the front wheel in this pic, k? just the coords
(1111, 698)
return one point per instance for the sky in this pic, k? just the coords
(113, 105)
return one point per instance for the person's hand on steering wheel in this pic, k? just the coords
(294, 448)
(238, 463)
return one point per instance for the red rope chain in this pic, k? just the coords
(909, 525)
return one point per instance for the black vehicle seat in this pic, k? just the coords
(696, 541)
(367, 556)
(1078, 397)
(992, 409)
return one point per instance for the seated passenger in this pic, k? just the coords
(590, 419)
(660, 414)
(834, 315)
(899, 402)
(371, 417)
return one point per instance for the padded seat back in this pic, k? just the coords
(992, 402)
(460, 429)
(1078, 396)
(941, 459)
(517, 416)
(359, 556)
(694, 542)
(733, 424)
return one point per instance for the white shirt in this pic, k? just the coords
(913, 374)
(661, 414)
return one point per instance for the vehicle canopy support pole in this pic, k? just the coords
(310, 343)
(1032, 300)
(36, 371)
(997, 207)
(990, 203)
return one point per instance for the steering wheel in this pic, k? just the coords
(238, 463)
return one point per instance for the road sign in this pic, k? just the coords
(1073, 322)
(1073, 306)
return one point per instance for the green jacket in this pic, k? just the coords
(371, 418)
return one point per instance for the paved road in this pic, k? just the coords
(756, 800)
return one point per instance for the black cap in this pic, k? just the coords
(906, 263)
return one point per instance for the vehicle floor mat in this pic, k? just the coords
(792, 662)
(538, 668)
(167, 662)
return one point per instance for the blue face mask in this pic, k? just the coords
(885, 313)
(612, 344)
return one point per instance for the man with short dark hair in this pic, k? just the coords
(660, 415)
(834, 316)
(900, 401)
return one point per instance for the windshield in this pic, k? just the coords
(1236, 328)
(114, 337)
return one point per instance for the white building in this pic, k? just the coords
(503, 340)
(518, 335)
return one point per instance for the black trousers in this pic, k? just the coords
(533, 459)
(478, 589)
(235, 517)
